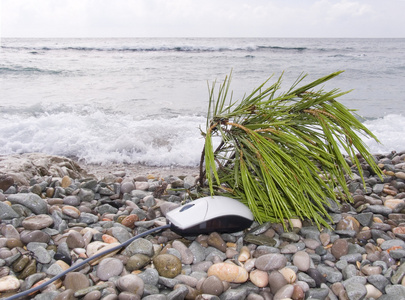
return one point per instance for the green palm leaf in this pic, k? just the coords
(281, 154)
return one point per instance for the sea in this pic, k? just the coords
(145, 100)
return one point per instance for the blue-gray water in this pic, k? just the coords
(142, 100)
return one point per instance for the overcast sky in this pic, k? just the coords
(202, 18)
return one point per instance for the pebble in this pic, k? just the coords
(259, 278)
(269, 262)
(76, 281)
(75, 240)
(32, 201)
(9, 283)
(137, 262)
(212, 285)
(109, 267)
(228, 272)
(302, 260)
(131, 283)
(167, 265)
(186, 254)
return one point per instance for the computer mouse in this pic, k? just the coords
(209, 214)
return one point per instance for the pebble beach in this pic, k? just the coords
(56, 212)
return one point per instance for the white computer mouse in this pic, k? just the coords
(209, 214)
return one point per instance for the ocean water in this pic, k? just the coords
(143, 100)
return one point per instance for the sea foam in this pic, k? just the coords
(389, 130)
(102, 137)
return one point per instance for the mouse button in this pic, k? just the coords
(187, 206)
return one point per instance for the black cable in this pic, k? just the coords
(126, 243)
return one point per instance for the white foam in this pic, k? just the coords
(390, 131)
(103, 137)
(99, 137)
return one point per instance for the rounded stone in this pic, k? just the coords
(302, 260)
(75, 240)
(285, 292)
(66, 181)
(12, 243)
(34, 236)
(348, 223)
(76, 281)
(131, 283)
(30, 269)
(129, 221)
(212, 286)
(317, 276)
(71, 211)
(9, 231)
(139, 246)
(37, 222)
(269, 262)
(288, 274)
(127, 187)
(372, 292)
(298, 292)
(93, 295)
(216, 241)
(187, 256)
(9, 283)
(137, 262)
(259, 278)
(324, 237)
(71, 200)
(228, 272)
(109, 267)
(30, 200)
(276, 281)
(20, 263)
(66, 295)
(167, 265)
(339, 248)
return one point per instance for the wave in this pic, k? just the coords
(28, 71)
(99, 136)
(96, 136)
(183, 48)
(389, 132)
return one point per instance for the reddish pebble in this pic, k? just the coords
(130, 220)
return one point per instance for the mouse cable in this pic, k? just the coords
(126, 243)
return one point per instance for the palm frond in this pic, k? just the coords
(277, 150)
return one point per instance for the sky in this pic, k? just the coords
(202, 18)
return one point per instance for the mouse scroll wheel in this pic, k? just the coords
(187, 206)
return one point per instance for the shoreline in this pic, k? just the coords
(133, 170)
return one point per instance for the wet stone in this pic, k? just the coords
(76, 281)
(356, 291)
(339, 248)
(37, 222)
(109, 267)
(215, 240)
(317, 276)
(34, 236)
(167, 265)
(137, 262)
(131, 283)
(260, 240)
(31, 201)
(149, 276)
(139, 246)
(272, 261)
(186, 255)
(75, 240)
(6, 212)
